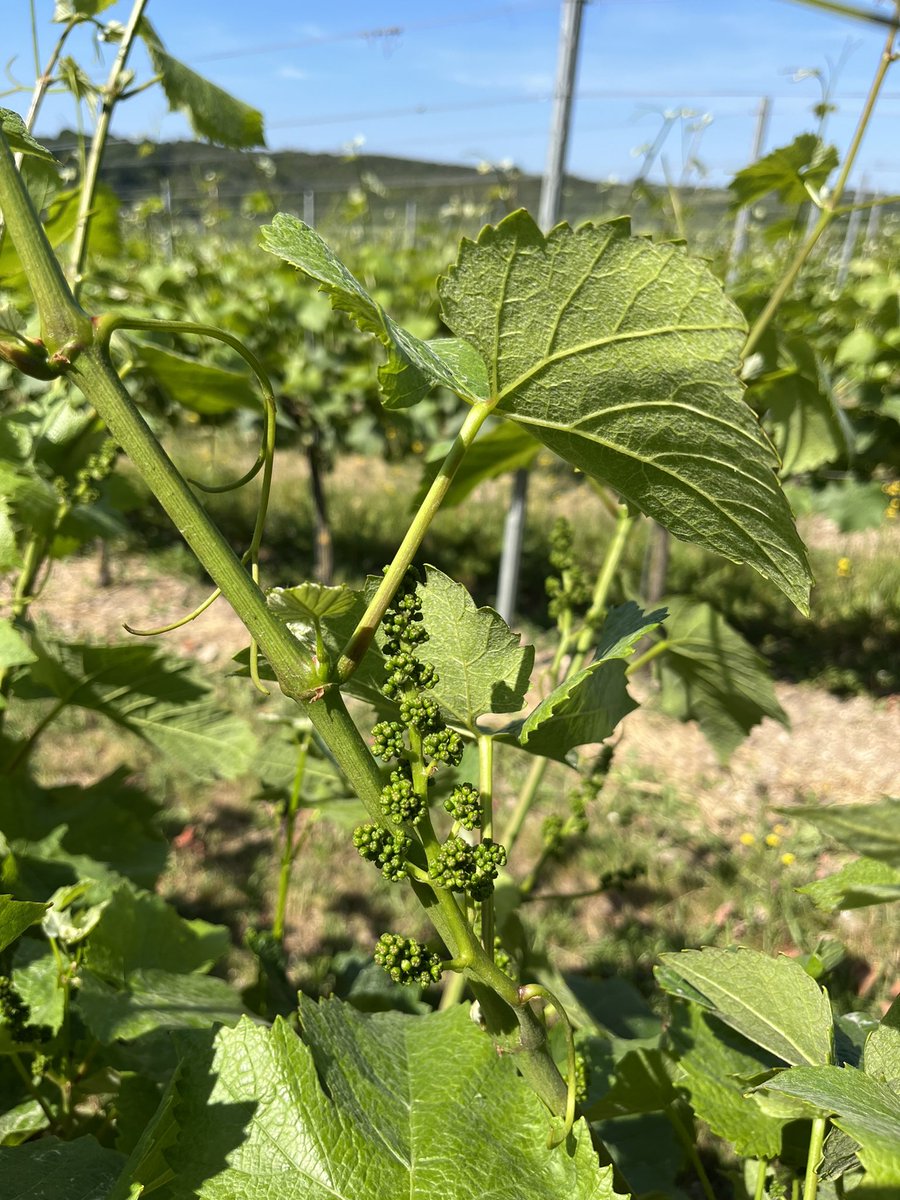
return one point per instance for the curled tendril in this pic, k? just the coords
(532, 991)
(216, 489)
(265, 460)
(185, 620)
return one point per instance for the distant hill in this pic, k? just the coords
(185, 174)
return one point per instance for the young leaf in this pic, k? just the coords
(621, 356)
(481, 665)
(212, 113)
(865, 1108)
(413, 366)
(863, 882)
(869, 829)
(36, 979)
(15, 917)
(770, 1001)
(382, 1123)
(586, 708)
(309, 603)
(13, 129)
(66, 9)
(623, 628)
(787, 171)
(712, 1058)
(49, 1169)
(709, 674)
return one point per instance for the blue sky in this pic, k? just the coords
(465, 81)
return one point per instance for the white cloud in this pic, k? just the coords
(292, 73)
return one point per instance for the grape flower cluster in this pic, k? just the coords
(406, 960)
(418, 743)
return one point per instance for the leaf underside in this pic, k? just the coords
(621, 357)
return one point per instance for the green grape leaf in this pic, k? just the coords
(11, 322)
(36, 977)
(642, 1083)
(808, 427)
(481, 665)
(375, 1123)
(413, 366)
(14, 650)
(770, 1001)
(787, 171)
(881, 1056)
(147, 1167)
(308, 603)
(65, 10)
(713, 1059)
(18, 1124)
(586, 708)
(710, 675)
(154, 999)
(869, 829)
(616, 1009)
(506, 448)
(649, 1175)
(199, 386)
(624, 626)
(621, 357)
(10, 560)
(16, 916)
(335, 627)
(13, 129)
(111, 822)
(851, 504)
(138, 931)
(139, 689)
(49, 1169)
(212, 112)
(863, 882)
(863, 1107)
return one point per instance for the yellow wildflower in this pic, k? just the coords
(747, 839)
(788, 858)
(772, 839)
(843, 567)
(780, 829)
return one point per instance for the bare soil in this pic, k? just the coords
(836, 750)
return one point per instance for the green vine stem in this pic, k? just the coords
(532, 991)
(362, 636)
(759, 1191)
(830, 210)
(111, 93)
(105, 326)
(288, 849)
(486, 789)
(814, 1157)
